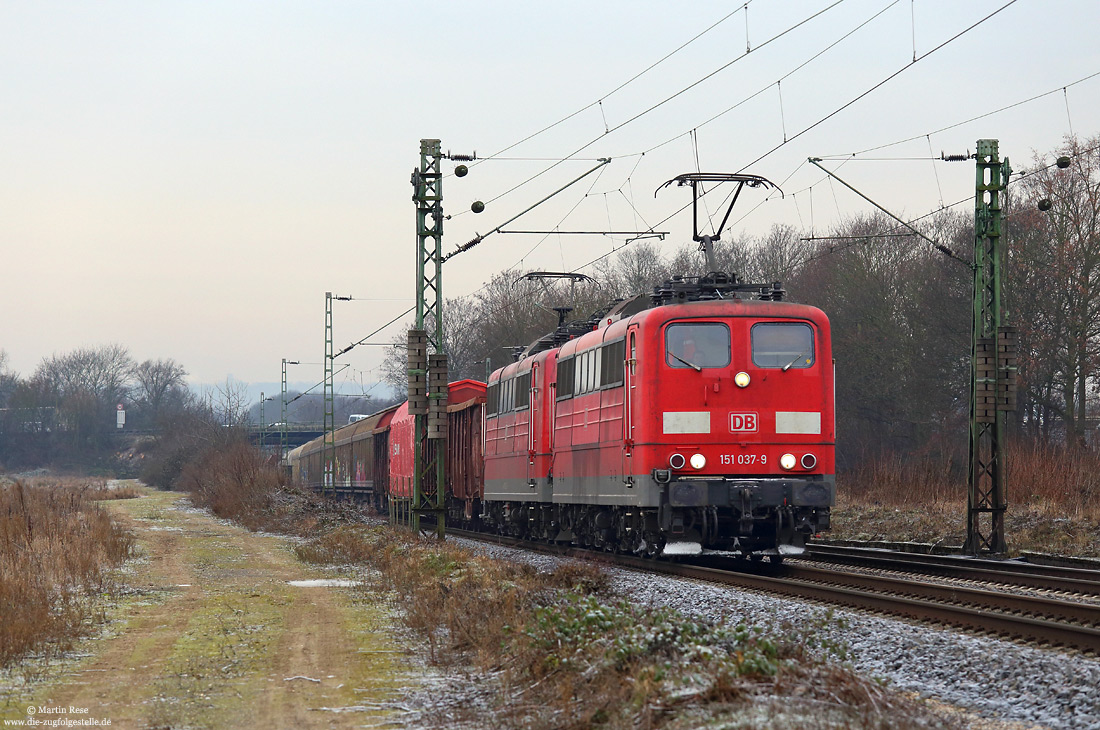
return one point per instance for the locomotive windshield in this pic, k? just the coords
(783, 345)
(697, 345)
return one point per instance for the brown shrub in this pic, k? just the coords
(237, 483)
(1053, 479)
(1053, 498)
(234, 483)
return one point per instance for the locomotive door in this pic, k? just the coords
(534, 422)
(629, 376)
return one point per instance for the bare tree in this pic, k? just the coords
(8, 380)
(228, 403)
(776, 257)
(84, 386)
(1054, 274)
(155, 383)
(900, 324)
(635, 270)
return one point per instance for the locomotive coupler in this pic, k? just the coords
(745, 524)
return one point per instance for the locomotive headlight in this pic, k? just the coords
(787, 461)
(741, 380)
(698, 461)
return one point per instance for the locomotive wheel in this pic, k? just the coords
(654, 544)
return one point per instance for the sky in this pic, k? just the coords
(189, 179)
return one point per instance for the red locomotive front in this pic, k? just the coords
(731, 411)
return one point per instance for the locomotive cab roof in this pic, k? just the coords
(714, 286)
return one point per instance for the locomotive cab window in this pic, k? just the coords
(697, 345)
(784, 345)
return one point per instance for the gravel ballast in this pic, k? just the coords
(998, 680)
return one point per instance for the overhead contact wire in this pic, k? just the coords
(880, 84)
(966, 121)
(624, 84)
(666, 100)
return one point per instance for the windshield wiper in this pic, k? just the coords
(690, 364)
(797, 357)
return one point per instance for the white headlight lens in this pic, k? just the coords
(698, 461)
(741, 379)
(787, 461)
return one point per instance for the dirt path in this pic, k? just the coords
(216, 637)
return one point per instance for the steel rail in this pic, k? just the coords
(987, 612)
(1055, 578)
(1073, 611)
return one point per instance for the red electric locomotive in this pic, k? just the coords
(704, 421)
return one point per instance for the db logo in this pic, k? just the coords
(743, 422)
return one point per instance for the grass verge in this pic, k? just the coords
(571, 654)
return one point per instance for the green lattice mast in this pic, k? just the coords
(993, 368)
(428, 373)
(328, 471)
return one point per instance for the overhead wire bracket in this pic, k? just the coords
(478, 238)
(815, 161)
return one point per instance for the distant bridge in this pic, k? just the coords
(296, 434)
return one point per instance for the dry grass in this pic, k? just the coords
(98, 493)
(571, 655)
(1053, 497)
(56, 550)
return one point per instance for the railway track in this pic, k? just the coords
(1051, 620)
(1010, 572)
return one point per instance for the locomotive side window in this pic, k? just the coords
(782, 345)
(591, 370)
(697, 345)
(523, 391)
(612, 358)
(492, 398)
(565, 378)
